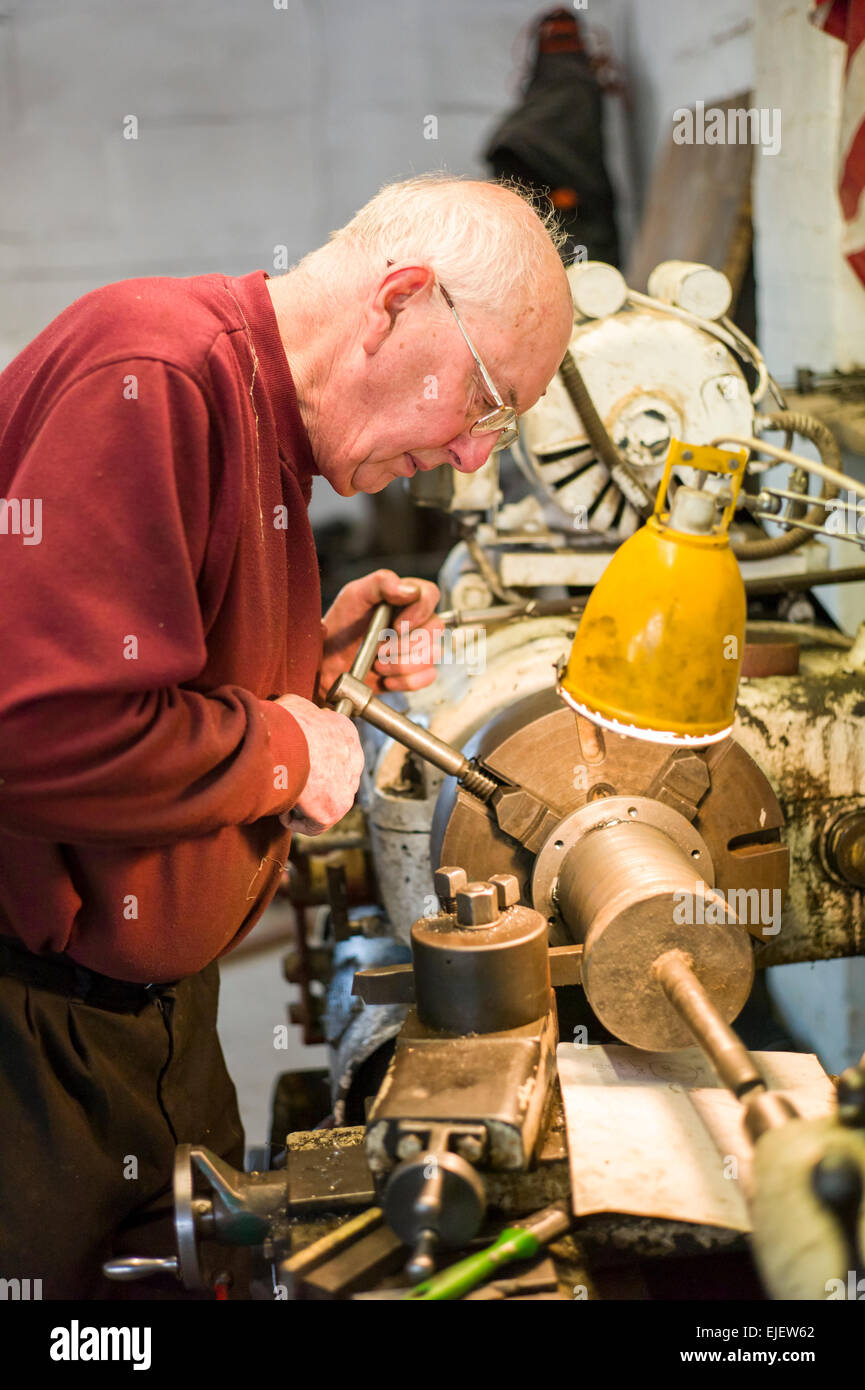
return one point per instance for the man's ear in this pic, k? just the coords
(401, 287)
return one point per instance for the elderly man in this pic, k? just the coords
(165, 661)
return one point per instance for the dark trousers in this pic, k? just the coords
(95, 1093)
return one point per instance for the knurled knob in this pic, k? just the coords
(477, 905)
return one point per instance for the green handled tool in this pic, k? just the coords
(518, 1242)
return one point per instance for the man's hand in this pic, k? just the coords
(335, 765)
(406, 662)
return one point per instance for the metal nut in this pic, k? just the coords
(409, 1146)
(448, 881)
(470, 1148)
(477, 905)
(507, 887)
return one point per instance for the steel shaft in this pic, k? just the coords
(727, 1053)
(729, 1056)
(366, 652)
(411, 735)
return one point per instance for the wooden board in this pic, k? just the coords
(698, 208)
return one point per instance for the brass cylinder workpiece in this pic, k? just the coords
(479, 976)
(630, 893)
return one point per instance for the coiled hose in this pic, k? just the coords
(830, 454)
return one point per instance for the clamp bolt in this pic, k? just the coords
(447, 882)
(477, 905)
(507, 887)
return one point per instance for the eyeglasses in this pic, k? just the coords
(502, 420)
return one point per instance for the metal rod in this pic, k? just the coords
(727, 1053)
(759, 446)
(794, 525)
(779, 584)
(830, 504)
(764, 1109)
(504, 612)
(366, 653)
(382, 716)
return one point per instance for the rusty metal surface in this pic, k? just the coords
(768, 657)
(328, 1177)
(499, 1080)
(806, 734)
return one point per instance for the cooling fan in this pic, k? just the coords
(652, 374)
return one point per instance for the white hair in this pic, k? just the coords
(486, 242)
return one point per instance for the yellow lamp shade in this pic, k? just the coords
(658, 651)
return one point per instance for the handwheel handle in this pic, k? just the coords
(382, 617)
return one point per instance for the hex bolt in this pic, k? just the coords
(470, 1148)
(447, 882)
(477, 905)
(508, 889)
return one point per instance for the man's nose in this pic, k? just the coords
(473, 450)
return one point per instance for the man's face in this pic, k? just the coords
(423, 389)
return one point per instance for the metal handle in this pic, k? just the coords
(442, 755)
(130, 1267)
(727, 1053)
(382, 618)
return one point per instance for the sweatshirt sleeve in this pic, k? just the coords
(101, 628)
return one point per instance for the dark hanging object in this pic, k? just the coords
(553, 141)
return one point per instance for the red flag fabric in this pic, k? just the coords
(845, 20)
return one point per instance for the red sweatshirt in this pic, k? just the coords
(158, 587)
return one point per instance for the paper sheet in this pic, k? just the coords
(657, 1134)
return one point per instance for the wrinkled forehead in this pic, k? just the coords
(525, 350)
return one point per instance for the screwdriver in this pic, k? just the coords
(518, 1242)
